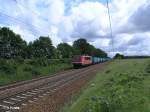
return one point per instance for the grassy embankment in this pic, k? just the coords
(123, 86)
(19, 70)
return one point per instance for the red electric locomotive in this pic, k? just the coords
(78, 61)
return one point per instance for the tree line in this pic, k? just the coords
(12, 46)
(121, 56)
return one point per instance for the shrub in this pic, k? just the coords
(27, 68)
(35, 72)
(107, 71)
(7, 67)
(43, 61)
(148, 68)
(33, 62)
(53, 61)
(19, 60)
(97, 104)
(38, 62)
(32, 70)
(65, 60)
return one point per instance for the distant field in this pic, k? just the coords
(124, 86)
(19, 70)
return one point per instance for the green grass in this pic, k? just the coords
(123, 86)
(11, 71)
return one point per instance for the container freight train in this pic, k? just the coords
(80, 61)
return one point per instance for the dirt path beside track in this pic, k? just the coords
(54, 101)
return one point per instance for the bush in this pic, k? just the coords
(38, 62)
(65, 60)
(43, 61)
(53, 61)
(107, 71)
(27, 68)
(32, 62)
(97, 104)
(148, 68)
(19, 60)
(35, 72)
(7, 67)
(46, 62)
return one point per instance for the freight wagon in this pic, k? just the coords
(83, 60)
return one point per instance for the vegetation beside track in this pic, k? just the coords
(123, 86)
(15, 70)
(20, 60)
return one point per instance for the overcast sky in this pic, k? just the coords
(68, 20)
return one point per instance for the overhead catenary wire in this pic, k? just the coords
(31, 11)
(16, 20)
(110, 25)
(34, 29)
(19, 4)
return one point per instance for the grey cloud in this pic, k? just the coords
(137, 45)
(139, 21)
(141, 18)
(87, 29)
(136, 40)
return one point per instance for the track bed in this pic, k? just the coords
(46, 94)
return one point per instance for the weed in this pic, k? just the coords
(27, 68)
(107, 71)
(148, 68)
(35, 72)
(123, 89)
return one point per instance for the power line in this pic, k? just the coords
(15, 20)
(31, 12)
(32, 28)
(24, 7)
(110, 25)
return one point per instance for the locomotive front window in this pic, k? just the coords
(87, 58)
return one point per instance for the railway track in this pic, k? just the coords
(30, 81)
(14, 96)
